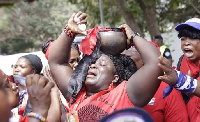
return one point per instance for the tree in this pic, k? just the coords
(38, 21)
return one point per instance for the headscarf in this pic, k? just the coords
(35, 62)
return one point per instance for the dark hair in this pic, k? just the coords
(75, 46)
(158, 37)
(35, 61)
(125, 66)
(46, 45)
(190, 32)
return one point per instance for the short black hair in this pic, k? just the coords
(157, 37)
(190, 32)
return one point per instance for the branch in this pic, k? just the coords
(195, 8)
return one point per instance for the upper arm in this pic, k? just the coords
(62, 75)
(142, 85)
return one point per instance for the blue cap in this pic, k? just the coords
(128, 114)
(194, 22)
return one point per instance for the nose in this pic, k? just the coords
(187, 42)
(93, 66)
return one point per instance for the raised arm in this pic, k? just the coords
(142, 85)
(60, 55)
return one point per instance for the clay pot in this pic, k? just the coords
(113, 42)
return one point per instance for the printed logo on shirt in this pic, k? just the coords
(152, 101)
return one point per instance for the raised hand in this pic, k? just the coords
(39, 89)
(128, 31)
(74, 26)
(169, 74)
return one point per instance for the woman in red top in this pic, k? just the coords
(97, 97)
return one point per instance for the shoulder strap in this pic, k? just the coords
(179, 63)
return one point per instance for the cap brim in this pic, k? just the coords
(191, 24)
(128, 114)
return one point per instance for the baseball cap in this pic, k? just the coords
(193, 22)
(128, 115)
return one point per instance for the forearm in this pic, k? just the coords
(148, 52)
(60, 50)
(54, 113)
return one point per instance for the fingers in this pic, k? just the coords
(42, 82)
(29, 80)
(189, 73)
(49, 86)
(164, 78)
(36, 78)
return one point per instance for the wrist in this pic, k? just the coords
(185, 84)
(42, 112)
(37, 116)
(69, 32)
(132, 37)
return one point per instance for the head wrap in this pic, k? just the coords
(90, 47)
(35, 62)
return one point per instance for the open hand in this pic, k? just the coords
(74, 25)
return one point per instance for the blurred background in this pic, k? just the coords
(26, 24)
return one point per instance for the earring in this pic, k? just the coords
(111, 86)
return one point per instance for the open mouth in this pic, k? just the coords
(91, 74)
(188, 53)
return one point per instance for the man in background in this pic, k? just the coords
(164, 50)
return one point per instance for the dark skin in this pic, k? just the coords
(139, 89)
(39, 89)
(170, 75)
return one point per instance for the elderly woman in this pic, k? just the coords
(97, 97)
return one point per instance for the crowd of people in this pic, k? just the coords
(108, 73)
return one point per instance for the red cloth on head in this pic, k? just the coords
(87, 45)
(48, 49)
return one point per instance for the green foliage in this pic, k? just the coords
(42, 20)
(16, 45)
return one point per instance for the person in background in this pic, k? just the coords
(162, 109)
(74, 56)
(189, 34)
(164, 49)
(25, 65)
(91, 92)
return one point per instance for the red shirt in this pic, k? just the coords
(193, 106)
(96, 107)
(170, 109)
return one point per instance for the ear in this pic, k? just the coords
(116, 78)
(34, 71)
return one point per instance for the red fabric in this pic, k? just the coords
(48, 49)
(170, 109)
(21, 110)
(193, 105)
(23, 119)
(187, 65)
(101, 106)
(11, 79)
(155, 45)
(87, 45)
